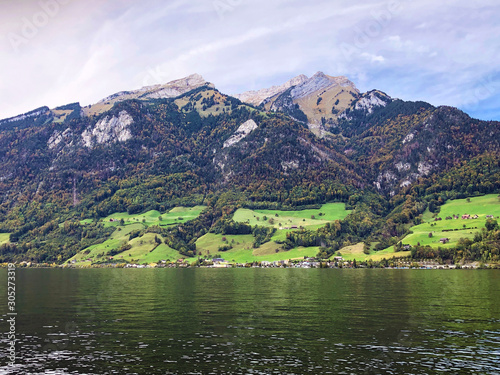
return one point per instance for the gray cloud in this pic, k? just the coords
(59, 51)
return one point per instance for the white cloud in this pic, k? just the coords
(90, 49)
(372, 58)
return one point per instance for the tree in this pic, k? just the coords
(491, 225)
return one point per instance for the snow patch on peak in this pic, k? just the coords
(243, 131)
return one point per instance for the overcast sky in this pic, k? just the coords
(54, 52)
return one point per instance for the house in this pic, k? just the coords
(465, 217)
(295, 227)
(475, 217)
(489, 216)
(444, 240)
(218, 260)
(338, 259)
(406, 247)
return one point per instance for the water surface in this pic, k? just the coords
(254, 321)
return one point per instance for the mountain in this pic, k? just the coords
(168, 90)
(257, 97)
(316, 100)
(184, 143)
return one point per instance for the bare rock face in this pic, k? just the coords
(109, 130)
(58, 137)
(243, 131)
(175, 88)
(370, 101)
(319, 82)
(257, 97)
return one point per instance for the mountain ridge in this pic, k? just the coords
(319, 140)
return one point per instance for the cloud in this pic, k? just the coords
(438, 52)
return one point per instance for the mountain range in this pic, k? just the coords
(306, 142)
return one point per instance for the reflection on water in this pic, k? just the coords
(255, 321)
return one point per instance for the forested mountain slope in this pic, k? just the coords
(186, 143)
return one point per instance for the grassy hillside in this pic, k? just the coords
(4, 238)
(310, 219)
(454, 229)
(143, 249)
(242, 251)
(356, 252)
(177, 215)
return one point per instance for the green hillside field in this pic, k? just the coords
(309, 219)
(142, 249)
(454, 229)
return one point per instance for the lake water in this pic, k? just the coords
(254, 321)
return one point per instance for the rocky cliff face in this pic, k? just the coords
(257, 97)
(109, 130)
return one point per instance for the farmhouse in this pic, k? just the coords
(444, 240)
(465, 217)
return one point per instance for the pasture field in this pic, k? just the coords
(243, 252)
(454, 229)
(309, 219)
(352, 252)
(4, 238)
(142, 249)
(175, 216)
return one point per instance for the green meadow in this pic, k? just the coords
(175, 216)
(309, 219)
(142, 249)
(454, 229)
(355, 252)
(145, 249)
(4, 238)
(243, 252)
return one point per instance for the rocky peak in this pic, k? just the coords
(176, 88)
(257, 97)
(320, 81)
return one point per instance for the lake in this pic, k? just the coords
(254, 321)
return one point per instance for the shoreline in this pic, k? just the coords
(300, 265)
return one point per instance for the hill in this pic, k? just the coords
(187, 144)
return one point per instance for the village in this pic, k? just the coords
(307, 263)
